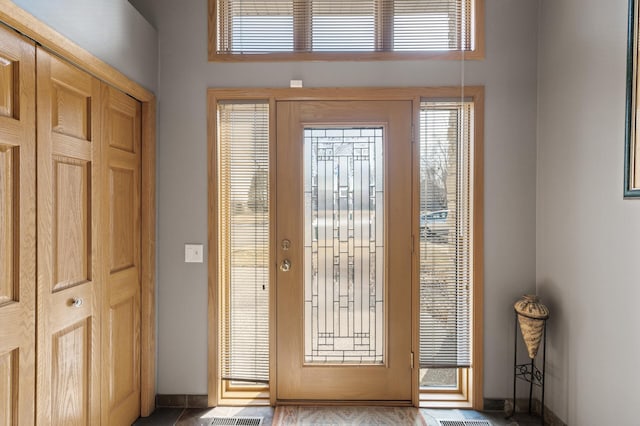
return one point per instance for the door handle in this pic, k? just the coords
(285, 266)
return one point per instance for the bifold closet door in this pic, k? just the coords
(120, 239)
(17, 229)
(68, 122)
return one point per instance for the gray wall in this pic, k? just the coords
(112, 30)
(509, 75)
(588, 238)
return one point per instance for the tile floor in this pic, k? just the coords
(202, 416)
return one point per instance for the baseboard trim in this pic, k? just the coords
(182, 401)
(522, 406)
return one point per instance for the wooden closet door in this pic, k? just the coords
(120, 239)
(68, 374)
(17, 229)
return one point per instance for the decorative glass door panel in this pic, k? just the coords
(343, 243)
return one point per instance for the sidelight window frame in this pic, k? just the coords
(468, 393)
(448, 148)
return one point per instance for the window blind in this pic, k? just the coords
(243, 160)
(446, 191)
(269, 26)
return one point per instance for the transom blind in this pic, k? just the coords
(269, 26)
(446, 190)
(243, 160)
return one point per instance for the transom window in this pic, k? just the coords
(344, 29)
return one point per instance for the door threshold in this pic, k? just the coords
(327, 402)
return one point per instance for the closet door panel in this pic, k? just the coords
(7, 86)
(121, 239)
(68, 384)
(70, 355)
(7, 243)
(17, 229)
(8, 388)
(72, 230)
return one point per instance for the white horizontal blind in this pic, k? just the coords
(427, 25)
(270, 26)
(446, 194)
(343, 25)
(255, 26)
(243, 152)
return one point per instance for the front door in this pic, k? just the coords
(343, 235)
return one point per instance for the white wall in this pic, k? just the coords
(588, 238)
(509, 74)
(112, 30)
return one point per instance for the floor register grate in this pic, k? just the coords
(465, 423)
(236, 421)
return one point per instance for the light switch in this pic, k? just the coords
(193, 253)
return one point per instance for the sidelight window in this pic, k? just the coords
(446, 244)
(243, 162)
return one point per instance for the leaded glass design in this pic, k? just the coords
(344, 245)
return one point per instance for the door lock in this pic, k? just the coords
(285, 266)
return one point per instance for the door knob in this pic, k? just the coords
(76, 302)
(285, 266)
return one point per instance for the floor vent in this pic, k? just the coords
(236, 421)
(465, 423)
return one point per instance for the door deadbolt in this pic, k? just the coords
(285, 266)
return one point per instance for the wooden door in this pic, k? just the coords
(120, 239)
(17, 229)
(68, 120)
(343, 219)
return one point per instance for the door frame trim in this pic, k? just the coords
(273, 95)
(18, 19)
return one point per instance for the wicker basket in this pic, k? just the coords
(531, 316)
